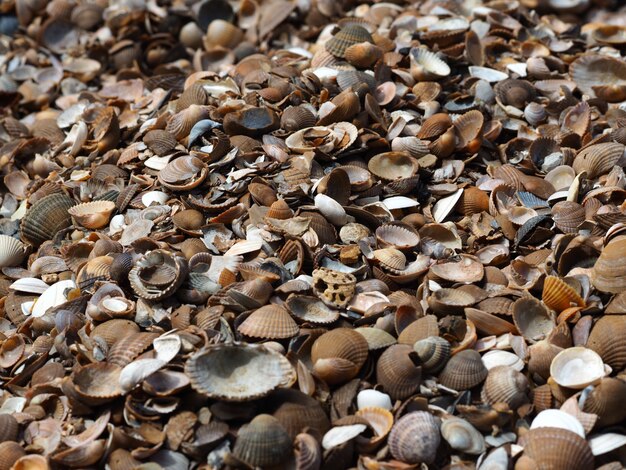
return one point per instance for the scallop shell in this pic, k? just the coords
(607, 339)
(577, 368)
(391, 166)
(397, 236)
(390, 258)
(415, 438)
(558, 295)
(311, 309)
(346, 37)
(532, 319)
(160, 142)
(46, 218)
(94, 214)
(467, 270)
(262, 442)
(505, 385)
(97, 383)
(12, 251)
(126, 348)
(558, 449)
(598, 159)
(114, 330)
(80, 456)
(96, 269)
(295, 118)
(434, 353)
(463, 371)
(183, 173)
(568, 216)
(158, 274)
(426, 65)
(605, 400)
(269, 322)
(473, 201)
(609, 271)
(238, 372)
(338, 355)
(468, 128)
(462, 436)
(10, 452)
(398, 371)
(9, 427)
(194, 94)
(412, 145)
(514, 92)
(589, 70)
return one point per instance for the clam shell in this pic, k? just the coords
(505, 385)
(532, 319)
(411, 145)
(238, 372)
(462, 436)
(297, 411)
(311, 309)
(46, 218)
(295, 118)
(467, 270)
(435, 126)
(396, 236)
(609, 271)
(262, 442)
(415, 438)
(607, 339)
(251, 122)
(346, 37)
(473, 201)
(9, 427)
(390, 258)
(561, 177)
(463, 371)
(514, 92)
(126, 348)
(363, 55)
(94, 214)
(10, 452)
(280, 210)
(12, 251)
(398, 371)
(419, 329)
(159, 141)
(577, 368)
(568, 216)
(180, 124)
(488, 323)
(183, 173)
(113, 330)
(97, 383)
(598, 159)
(269, 322)
(557, 449)
(558, 295)
(605, 400)
(434, 353)
(589, 70)
(391, 166)
(468, 127)
(158, 274)
(376, 338)
(450, 301)
(338, 355)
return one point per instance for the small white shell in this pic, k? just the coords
(152, 197)
(604, 443)
(340, 434)
(502, 358)
(331, 209)
(31, 285)
(373, 399)
(485, 73)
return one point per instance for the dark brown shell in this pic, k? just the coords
(398, 371)
(463, 371)
(46, 218)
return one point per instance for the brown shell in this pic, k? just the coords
(114, 330)
(269, 322)
(557, 448)
(606, 401)
(193, 94)
(10, 451)
(363, 55)
(295, 118)
(397, 235)
(598, 159)
(489, 323)
(391, 166)
(45, 219)
(97, 383)
(514, 92)
(558, 295)
(421, 328)
(468, 127)
(92, 215)
(280, 210)
(473, 201)
(463, 371)
(343, 344)
(415, 438)
(180, 124)
(505, 385)
(433, 353)
(9, 427)
(183, 173)
(158, 274)
(262, 442)
(160, 141)
(434, 126)
(609, 271)
(346, 37)
(251, 122)
(532, 319)
(96, 269)
(568, 215)
(398, 371)
(608, 339)
(296, 411)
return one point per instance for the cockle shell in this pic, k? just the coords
(590, 71)
(94, 214)
(183, 173)
(607, 339)
(426, 65)
(462, 436)
(532, 319)
(269, 322)
(12, 251)
(415, 438)
(558, 295)
(598, 159)
(393, 165)
(46, 218)
(557, 449)
(609, 271)
(433, 352)
(158, 274)
(505, 385)
(577, 367)
(262, 442)
(463, 371)
(338, 355)
(398, 371)
(346, 37)
(363, 55)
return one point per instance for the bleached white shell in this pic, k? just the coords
(502, 358)
(558, 419)
(444, 206)
(373, 399)
(135, 372)
(152, 197)
(53, 296)
(331, 209)
(340, 434)
(604, 443)
(399, 202)
(487, 74)
(31, 285)
(577, 367)
(12, 251)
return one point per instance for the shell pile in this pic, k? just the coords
(310, 235)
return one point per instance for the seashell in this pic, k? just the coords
(193, 95)
(97, 383)
(598, 159)
(607, 339)
(589, 70)
(81, 456)
(557, 448)
(183, 173)
(434, 126)
(381, 422)
(45, 219)
(426, 65)
(411, 145)
(296, 411)
(505, 385)
(609, 271)
(419, 329)
(9, 428)
(604, 400)
(415, 438)
(488, 323)
(222, 33)
(96, 269)
(113, 330)
(390, 258)
(561, 177)
(373, 399)
(535, 113)
(31, 462)
(450, 301)
(363, 55)
(391, 166)
(472, 201)
(568, 216)
(308, 452)
(463, 371)
(269, 322)
(331, 209)
(259, 371)
(514, 92)
(376, 338)
(251, 122)
(468, 128)
(532, 319)
(189, 220)
(158, 274)
(92, 215)
(311, 309)
(12, 251)
(11, 351)
(251, 294)
(577, 368)
(295, 118)
(346, 37)
(495, 358)
(558, 295)
(160, 142)
(334, 288)
(397, 236)
(280, 210)
(433, 352)
(116, 307)
(398, 371)
(181, 123)
(462, 436)
(338, 355)
(467, 270)
(262, 442)
(10, 452)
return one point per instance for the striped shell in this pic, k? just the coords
(262, 442)
(608, 339)
(606, 400)
(598, 159)
(259, 370)
(415, 438)
(158, 274)
(557, 449)
(558, 295)
(295, 118)
(159, 141)
(463, 371)
(183, 173)
(398, 371)
(338, 355)
(609, 271)
(180, 124)
(505, 385)
(426, 65)
(346, 37)
(568, 215)
(269, 322)
(434, 353)
(12, 251)
(46, 218)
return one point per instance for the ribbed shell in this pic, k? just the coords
(295, 118)
(608, 339)
(434, 126)
(193, 94)
(514, 92)
(557, 449)
(558, 295)
(46, 218)
(262, 442)
(93, 215)
(609, 271)
(114, 330)
(9, 427)
(344, 344)
(505, 385)
(346, 37)
(12, 251)
(473, 201)
(126, 349)
(421, 328)
(598, 159)
(159, 141)
(10, 451)
(96, 269)
(296, 411)
(463, 371)
(415, 438)
(158, 274)
(269, 322)
(280, 210)
(376, 338)
(607, 401)
(434, 353)
(397, 372)
(259, 370)
(311, 309)
(568, 215)
(180, 124)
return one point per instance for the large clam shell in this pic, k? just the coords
(46, 218)
(238, 372)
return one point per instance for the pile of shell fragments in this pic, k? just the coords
(312, 234)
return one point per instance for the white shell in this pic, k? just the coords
(135, 372)
(373, 398)
(12, 251)
(462, 436)
(52, 297)
(444, 206)
(399, 202)
(558, 419)
(32, 285)
(152, 197)
(502, 358)
(604, 443)
(243, 247)
(167, 346)
(561, 177)
(429, 63)
(485, 73)
(340, 434)
(577, 368)
(331, 209)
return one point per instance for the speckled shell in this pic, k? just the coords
(346, 37)
(415, 438)
(608, 339)
(46, 218)
(557, 449)
(269, 322)
(259, 371)
(262, 442)
(505, 385)
(398, 371)
(463, 371)
(344, 344)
